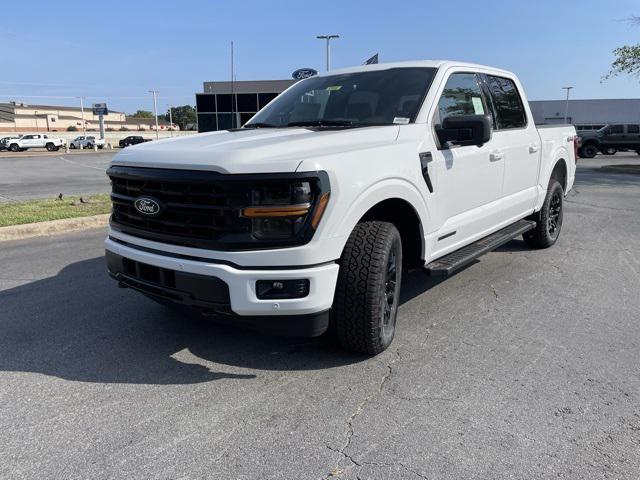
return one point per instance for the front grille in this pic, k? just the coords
(197, 208)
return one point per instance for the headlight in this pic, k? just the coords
(281, 210)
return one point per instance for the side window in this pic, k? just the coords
(633, 129)
(507, 103)
(461, 96)
(617, 129)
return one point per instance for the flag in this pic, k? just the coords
(372, 60)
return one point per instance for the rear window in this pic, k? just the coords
(507, 103)
(617, 129)
(633, 128)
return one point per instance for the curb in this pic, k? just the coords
(53, 227)
(55, 154)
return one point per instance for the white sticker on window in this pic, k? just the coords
(400, 120)
(478, 108)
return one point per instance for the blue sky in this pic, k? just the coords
(117, 51)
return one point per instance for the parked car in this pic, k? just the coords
(132, 140)
(308, 215)
(37, 140)
(4, 141)
(88, 141)
(610, 139)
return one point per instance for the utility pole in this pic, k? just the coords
(170, 120)
(566, 107)
(36, 115)
(155, 111)
(233, 122)
(328, 38)
(82, 111)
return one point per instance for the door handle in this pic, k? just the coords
(533, 148)
(496, 155)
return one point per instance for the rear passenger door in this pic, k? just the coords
(632, 137)
(518, 141)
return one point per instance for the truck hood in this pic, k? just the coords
(262, 150)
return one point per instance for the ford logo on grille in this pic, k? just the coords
(147, 206)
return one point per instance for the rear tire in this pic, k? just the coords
(14, 148)
(50, 147)
(367, 295)
(609, 151)
(589, 151)
(548, 219)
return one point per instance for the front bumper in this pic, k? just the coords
(241, 281)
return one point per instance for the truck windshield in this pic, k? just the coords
(378, 97)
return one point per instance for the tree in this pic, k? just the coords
(142, 114)
(182, 116)
(627, 57)
(72, 128)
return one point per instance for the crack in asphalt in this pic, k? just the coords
(356, 413)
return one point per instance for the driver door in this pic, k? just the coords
(468, 179)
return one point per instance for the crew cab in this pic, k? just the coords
(35, 141)
(304, 220)
(610, 139)
(132, 140)
(87, 141)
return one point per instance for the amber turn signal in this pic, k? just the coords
(276, 211)
(322, 205)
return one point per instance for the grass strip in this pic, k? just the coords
(33, 211)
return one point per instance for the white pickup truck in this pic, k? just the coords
(303, 220)
(52, 144)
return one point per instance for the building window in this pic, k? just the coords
(264, 98)
(206, 103)
(207, 122)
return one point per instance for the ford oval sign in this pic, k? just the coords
(147, 206)
(303, 73)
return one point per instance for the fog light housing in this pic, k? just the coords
(282, 289)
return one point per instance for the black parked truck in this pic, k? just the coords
(610, 139)
(132, 140)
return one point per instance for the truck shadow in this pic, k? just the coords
(78, 325)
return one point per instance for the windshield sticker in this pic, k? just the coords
(478, 108)
(400, 120)
(334, 88)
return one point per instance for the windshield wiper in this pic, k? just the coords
(261, 125)
(322, 123)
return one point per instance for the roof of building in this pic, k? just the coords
(30, 106)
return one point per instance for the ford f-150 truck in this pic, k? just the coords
(304, 219)
(609, 139)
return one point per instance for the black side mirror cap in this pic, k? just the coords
(463, 130)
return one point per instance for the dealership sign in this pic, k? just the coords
(303, 73)
(100, 109)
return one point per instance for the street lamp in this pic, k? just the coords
(155, 111)
(36, 115)
(170, 120)
(566, 107)
(328, 39)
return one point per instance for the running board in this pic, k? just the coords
(461, 258)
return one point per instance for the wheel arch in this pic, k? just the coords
(560, 173)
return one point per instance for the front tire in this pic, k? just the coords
(589, 151)
(609, 151)
(367, 295)
(14, 148)
(548, 219)
(50, 147)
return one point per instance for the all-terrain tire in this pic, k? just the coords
(367, 294)
(548, 219)
(14, 147)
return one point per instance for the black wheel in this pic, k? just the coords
(89, 145)
(609, 151)
(589, 151)
(548, 219)
(50, 147)
(368, 290)
(14, 147)
(72, 146)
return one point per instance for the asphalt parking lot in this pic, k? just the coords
(525, 365)
(27, 175)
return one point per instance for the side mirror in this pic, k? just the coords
(462, 130)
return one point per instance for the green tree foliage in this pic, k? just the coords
(72, 128)
(627, 57)
(183, 116)
(142, 114)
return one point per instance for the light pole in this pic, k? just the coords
(170, 120)
(36, 115)
(328, 40)
(82, 112)
(155, 111)
(566, 107)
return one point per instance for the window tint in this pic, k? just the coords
(617, 129)
(506, 102)
(461, 96)
(633, 128)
